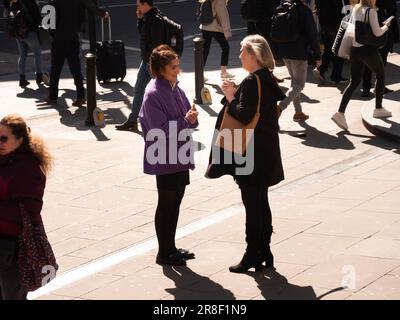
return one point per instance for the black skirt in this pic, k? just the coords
(173, 181)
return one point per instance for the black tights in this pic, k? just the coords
(223, 43)
(364, 57)
(166, 219)
(258, 217)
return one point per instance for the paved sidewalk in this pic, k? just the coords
(336, 216)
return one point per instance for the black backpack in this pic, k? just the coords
(285, 23)
(204, 12)
(173, 34)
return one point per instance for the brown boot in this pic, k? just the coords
(127, 126)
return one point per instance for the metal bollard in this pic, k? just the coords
(91, 88)
(198, 68)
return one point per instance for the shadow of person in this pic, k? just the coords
(318, 139)
(184, 278)
(274, 286)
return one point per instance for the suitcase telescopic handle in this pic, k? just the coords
(109, 29)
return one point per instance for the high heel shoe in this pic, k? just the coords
(248, 261)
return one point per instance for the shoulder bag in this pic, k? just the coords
(364, 34)
(235, 136)
(36, 261)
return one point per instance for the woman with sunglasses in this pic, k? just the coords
(24, 164)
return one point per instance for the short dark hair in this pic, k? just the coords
(160, 58)
(149, 2)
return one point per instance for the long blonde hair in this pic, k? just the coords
(364, 3)
(259, 47)
(30, 143)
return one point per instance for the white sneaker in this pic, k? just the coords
(340, 120)
(227, 75)
(382, 113)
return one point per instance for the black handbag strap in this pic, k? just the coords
(366, 17)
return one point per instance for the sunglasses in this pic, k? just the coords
(3, 139)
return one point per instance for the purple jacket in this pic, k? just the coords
(167, 134)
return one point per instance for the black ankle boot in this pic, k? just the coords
(248, 261)
(268, 258)
(22, 81)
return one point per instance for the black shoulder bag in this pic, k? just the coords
(365, 35)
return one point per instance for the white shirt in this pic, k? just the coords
(359, 15)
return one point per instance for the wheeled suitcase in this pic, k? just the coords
(110, 62)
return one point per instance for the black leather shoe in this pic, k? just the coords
(247, 262)
(127, 126)
(171, 260)
(22, 81)
(185, 254)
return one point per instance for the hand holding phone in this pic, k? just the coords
(388, 20)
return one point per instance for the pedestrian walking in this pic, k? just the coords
(386, 9)
(266, 163)
(65, 45)
(31, 19)
(151, 35)
(166, 114)
(24, 164)
(220, 30)
(295, 54)
(330, 15)
(365, 56)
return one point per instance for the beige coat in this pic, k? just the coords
(221, 22)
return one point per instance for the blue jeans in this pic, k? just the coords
(142, 79)
(31, 41)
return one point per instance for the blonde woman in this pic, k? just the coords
(24, 164)
(241, 103)
(361, 57)
(220, 30)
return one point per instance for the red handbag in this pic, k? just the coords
(36, 261)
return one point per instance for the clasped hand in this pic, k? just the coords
(192, 115)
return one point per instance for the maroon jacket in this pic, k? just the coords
(21, 181)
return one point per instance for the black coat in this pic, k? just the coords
(330, 14)
(69, 18)
(308, 39)
(151, 29)
(30, 12)
(268, 168)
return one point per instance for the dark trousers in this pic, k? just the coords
(223, 43)
(328, 56)
(10, 286)
(364, 57)
(171, 189)
(61, 50)
(258, 218)
(367, 84)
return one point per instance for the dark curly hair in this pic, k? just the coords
(30, 143)
(160, 58)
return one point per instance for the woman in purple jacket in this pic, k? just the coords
(24, 163)
(167, 120)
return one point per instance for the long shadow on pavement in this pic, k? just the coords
(318, 139)
(274, 286)
(184, 278)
